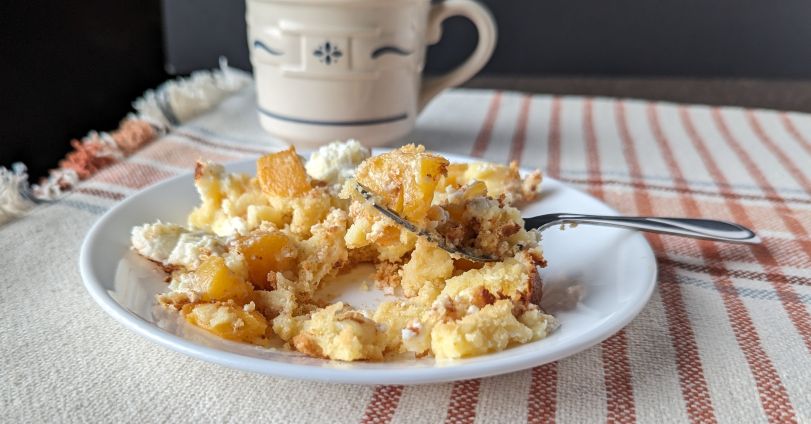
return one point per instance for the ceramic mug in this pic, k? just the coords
(339, 69)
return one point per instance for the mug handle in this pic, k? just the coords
(485, 25)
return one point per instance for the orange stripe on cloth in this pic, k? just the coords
(693, 384)
(688, 190)
(520, 135)
(104, 194)
(619, 391)
(543, 394)
(797, 312)
(791, 223)
(618, 388)
(176, 153)
(553, 155)
(795, 133)
(486, 132)
(381, 408)
(773, 396)
(784, 251)
(773, 147)
(592, 151)
(464, 399)
(737, 273)
(132, 175)
(688, 361)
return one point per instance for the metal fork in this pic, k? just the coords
(707, 229)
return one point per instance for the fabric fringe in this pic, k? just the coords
(156, 112)
(13, 186)
(180, 100)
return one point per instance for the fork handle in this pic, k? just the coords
(707, 229)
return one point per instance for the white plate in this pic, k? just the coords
(598, 279)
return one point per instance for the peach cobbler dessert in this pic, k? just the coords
(253, 256)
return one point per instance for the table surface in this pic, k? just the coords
(726, 336)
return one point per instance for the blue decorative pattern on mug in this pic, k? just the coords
(390, 50)
(328, 53)
(260, 45)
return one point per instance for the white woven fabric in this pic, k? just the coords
(725, 338)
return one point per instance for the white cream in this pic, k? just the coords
(190, 246)
(336, 162)
(156, 241)
(231, 227)
(173, 245)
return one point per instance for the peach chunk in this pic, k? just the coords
(214, 281)
(282, 174)
(229, 321)
(265, 252)
(404, 179)
(456, 174)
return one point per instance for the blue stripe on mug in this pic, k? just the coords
(260, 45)
(375, 121)
(389, 50)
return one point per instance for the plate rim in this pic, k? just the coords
(409, 376)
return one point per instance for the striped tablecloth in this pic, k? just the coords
(726, 336)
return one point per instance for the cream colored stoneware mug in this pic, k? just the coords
(338, 69)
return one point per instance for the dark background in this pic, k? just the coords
(71, 66)
(696, 38)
